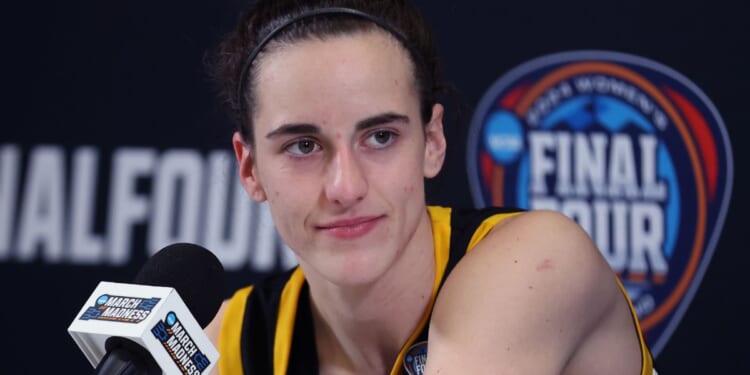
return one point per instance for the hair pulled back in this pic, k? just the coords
(270, 23)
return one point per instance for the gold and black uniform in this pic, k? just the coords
(268, 328)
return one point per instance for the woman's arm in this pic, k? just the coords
(523, 301)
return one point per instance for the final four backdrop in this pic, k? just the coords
(621, 114)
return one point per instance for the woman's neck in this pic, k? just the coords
(362, 329)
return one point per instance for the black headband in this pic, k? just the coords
(310, 14)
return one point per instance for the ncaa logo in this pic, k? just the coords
(630, 149)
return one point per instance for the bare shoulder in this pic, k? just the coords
(538, 247)
(523, 300)
(213, 329)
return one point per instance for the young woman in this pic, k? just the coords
(339, 125)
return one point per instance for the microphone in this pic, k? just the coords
(156, 324)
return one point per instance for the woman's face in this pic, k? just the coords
(341, 152)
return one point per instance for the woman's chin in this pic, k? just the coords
(355, 274)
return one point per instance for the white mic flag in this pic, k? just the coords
(153, 317)
(148, 327)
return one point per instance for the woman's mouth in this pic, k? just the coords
(350, 228)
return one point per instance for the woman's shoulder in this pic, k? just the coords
(535, 280)
(537, 246)
(234, 305)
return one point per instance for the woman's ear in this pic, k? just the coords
(248, 170)
(435, 145)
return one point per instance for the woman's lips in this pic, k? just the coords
(350, 228)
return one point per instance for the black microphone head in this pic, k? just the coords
(194, 272)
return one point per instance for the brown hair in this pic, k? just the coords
(270, 23)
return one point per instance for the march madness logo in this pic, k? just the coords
(120, 309)
(180, 346)
(630, 149)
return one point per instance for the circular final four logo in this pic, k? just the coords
(630, 149)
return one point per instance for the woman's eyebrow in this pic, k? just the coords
(383, 118)
(293, 129)
(305, 128)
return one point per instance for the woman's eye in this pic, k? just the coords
(302, 147)
(380, 138)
